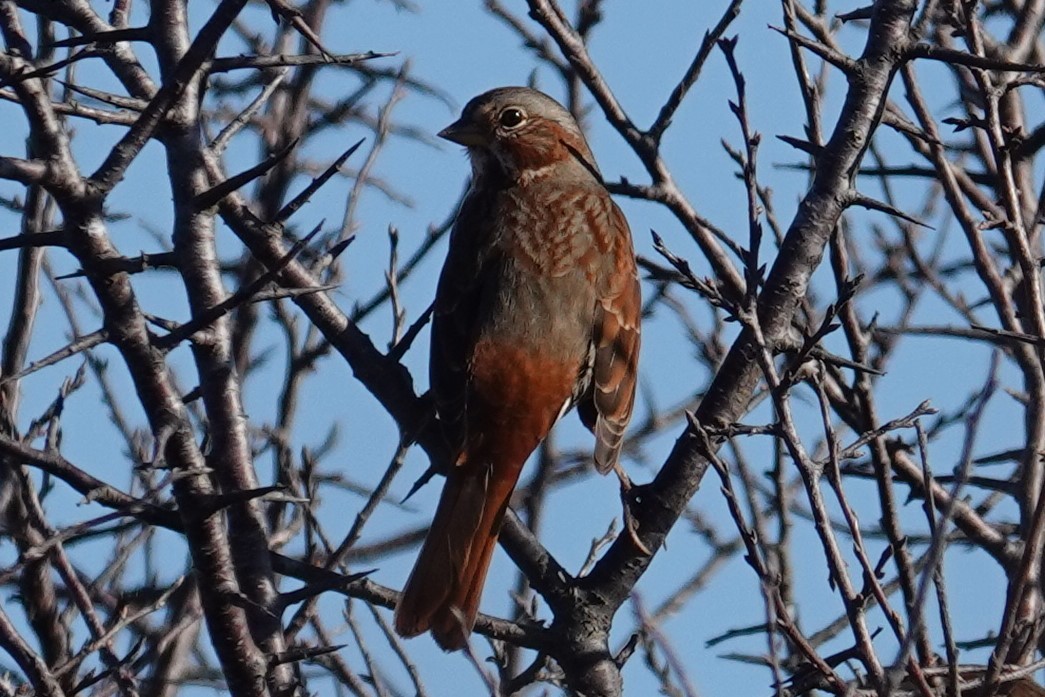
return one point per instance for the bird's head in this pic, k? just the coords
(523, 133)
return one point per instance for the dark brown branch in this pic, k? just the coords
(970, 60)
(224, 65)
(80, 345)
(707, 44)
(120, 157)
(47, 238)
(728, 397)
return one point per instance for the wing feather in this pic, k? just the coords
(457, 306)
(615, 339)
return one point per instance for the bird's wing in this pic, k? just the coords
(615, 340)
(457, 306)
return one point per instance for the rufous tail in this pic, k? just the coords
(443, 591)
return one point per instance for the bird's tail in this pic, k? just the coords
(443, 591)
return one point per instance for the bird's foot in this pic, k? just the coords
(630, 524)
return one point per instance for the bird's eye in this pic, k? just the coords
(511, 117)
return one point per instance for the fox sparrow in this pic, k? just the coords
(537, 310)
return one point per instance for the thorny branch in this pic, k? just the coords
(930, 218)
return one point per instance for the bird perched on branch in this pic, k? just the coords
(537, 310)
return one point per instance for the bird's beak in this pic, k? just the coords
(463, 133)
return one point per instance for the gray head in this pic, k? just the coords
(521, 130)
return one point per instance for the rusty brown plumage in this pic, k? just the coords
(537, 310)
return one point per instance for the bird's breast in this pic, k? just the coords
(555, 230)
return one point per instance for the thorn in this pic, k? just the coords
(214, 195)
(962, 124)
(803, 145)
(858, 199)
(842, 362)
(625, 653)
(103, 37)
(340, 247)
(302, 198)
(302, 654)
(421, 481)
(859, 13)
(404, 343)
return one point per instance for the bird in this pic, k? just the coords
(537, 310)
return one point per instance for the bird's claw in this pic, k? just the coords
(630, 524)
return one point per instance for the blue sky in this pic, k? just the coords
(642, 49)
